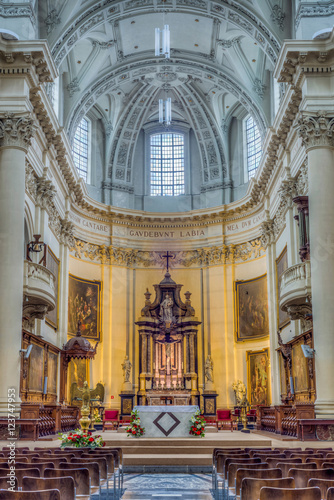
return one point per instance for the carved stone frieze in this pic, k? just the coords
(45, 194)
(30, 180)
(278, 16)
(299, 311)
(16, 131)
(133, 257)
(302, 180)
(52, 20)
(316, 130)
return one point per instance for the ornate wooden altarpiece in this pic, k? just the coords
(297, 373)
(168, 368)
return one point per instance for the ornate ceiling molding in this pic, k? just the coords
(140, 70)
(209, 256)
(314, 9)
(116, 10)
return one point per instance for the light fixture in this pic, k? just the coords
(165, 111)
(162, 41)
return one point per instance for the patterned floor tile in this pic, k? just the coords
(167, 487)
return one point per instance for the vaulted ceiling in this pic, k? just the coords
(222, 56)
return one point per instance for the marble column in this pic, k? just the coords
(15, 135)
(317, 131)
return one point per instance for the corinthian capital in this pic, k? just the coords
(316, 130)
(16, 131)
(267, 233)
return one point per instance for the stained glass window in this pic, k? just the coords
(80, 149)
(254, 148)
(167, 164)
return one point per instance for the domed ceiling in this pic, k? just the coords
(222, 57)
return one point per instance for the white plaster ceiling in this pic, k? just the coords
(222, 54)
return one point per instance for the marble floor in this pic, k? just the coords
(167, 487)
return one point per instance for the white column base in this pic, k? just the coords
(324, 409)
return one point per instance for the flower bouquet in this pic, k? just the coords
(81, 439)
(197, 425)
(135, 429)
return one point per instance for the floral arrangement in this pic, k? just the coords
(197, 425)
(81, 439)
(135, 429)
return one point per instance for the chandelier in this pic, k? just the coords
(162, 41)
(165, 111)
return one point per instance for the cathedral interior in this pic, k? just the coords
(166, 201)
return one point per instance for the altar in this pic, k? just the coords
(166, 421)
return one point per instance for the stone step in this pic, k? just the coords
(210, 442)
(158, 459)
(167, 450)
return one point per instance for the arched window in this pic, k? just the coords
(81, 149)
(253, 147)
(166, 164)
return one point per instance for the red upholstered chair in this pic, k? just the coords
(110, 419)
(224, 418)
(251, 415)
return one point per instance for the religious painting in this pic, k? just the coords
(251, 308)
(52, 263)
(258, 377)
(84, 305)
(299, 369)
(281, 266)
(282, 372)
(52, 372)
(36, 369)
(78, 372)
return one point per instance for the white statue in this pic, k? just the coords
(239, 389)
(209, 369)
(166, 309)
(126, 366)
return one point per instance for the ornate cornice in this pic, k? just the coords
(316, 130)
(314, 9)
(16, 131)
(209, 256)
(23, 9)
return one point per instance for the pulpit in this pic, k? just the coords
(168, 347)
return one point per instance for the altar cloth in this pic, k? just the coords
(166, 421)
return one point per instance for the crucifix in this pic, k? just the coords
(167, 257)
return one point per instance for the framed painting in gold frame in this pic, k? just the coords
(281, 265)
(36, 369)
(52, 372)
(258, 377)
(282, 371)
(53, 264)
(84, 305)
(251, 309)
(300, 373)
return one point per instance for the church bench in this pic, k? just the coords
(232, 472)
(4, 483)
(28, 495)
(323, 484)
(273, 461)
(256, 474)
(222, 468)
(20, 473)
(40, 466)
(330, 494)
(267, 493)
(301, 476)
(65, 485)
(80, 477)
(220, 465)
(55, 460)
(305, 457)
(94, 474)
(251, 487)
(321, 461)
(110, 469)
(286, 466)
